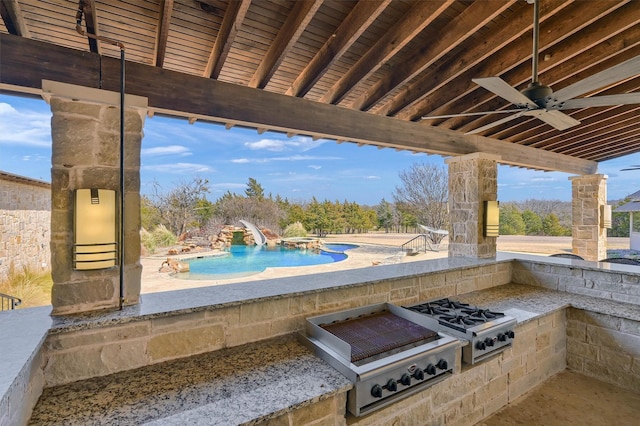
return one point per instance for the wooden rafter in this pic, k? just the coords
(559, 69)
(358, 20)
(12, 16)
(251, 107)
(461, 28)
(91, 24)
(164, 21)
(414, 21)
(231, 24)
(302, 13)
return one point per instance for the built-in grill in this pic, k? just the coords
(387, 352)
(488, 332)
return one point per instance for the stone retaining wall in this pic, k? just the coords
(25, 223)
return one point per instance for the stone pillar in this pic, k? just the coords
(473, 178)
(589, 193)
(85, 129)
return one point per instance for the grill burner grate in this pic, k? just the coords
(377, 333)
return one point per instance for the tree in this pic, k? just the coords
(254, 189)
(532, 223)
(150, 214)
(384, 213)
(511, 222)
(178, 206)
(551, 226)
(424, 194)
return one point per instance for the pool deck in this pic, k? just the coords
(366, 255)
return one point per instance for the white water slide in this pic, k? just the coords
(257, 234)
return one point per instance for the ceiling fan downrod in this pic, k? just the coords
(535, 91)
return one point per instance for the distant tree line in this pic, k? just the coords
(420, 199)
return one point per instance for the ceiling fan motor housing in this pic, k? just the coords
(538, 93)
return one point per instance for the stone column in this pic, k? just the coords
(85, 129)
(473, 178)
(589, 193)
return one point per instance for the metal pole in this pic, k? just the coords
(122, 178)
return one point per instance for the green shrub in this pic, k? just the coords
(294, 230)
(159, 237)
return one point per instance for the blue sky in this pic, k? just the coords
(174, 151)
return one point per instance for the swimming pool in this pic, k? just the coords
(241, 261)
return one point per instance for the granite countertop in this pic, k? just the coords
(249, 383)
(525, 302)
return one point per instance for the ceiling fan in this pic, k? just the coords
(538, 100)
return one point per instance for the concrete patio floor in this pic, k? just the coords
(570, 398)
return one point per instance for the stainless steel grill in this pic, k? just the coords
(387, 352)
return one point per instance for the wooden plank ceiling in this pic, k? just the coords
(398, 58)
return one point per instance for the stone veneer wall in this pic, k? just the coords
(25, 214)
(545, 346)
(588, 193)
(571, 279)
(81, 354)
(605, 347)
(473, 179)
(86, 154)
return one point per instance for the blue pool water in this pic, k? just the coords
(242, 261)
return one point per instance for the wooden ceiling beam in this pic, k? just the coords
(406, 29)
(162, 35)
(297, 21)
(457, 67)
(359, 19)
(575, 54)
(231, 25)
(613, 132)
(463, 26)
(24, 63)
(628, 144)
(12, 16)
(518, 53)
(91, 24)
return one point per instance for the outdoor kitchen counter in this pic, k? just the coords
(249, 383)
(525, 302)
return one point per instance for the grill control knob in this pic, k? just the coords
(392, 385)
(510, 334)
(405, 379)
(489, 341)
(431, 369)
(442, 364)
(419, 374)
(502, 337)
(376, 391)
(481, 345)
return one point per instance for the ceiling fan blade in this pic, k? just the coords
(554, 118)
(604, 78)
(596, 101)
(470, 114)
(631, 168)
(502, 89)
(495, 123)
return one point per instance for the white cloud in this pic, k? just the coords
(314, 167)
(179, 168)
(24, 127)
(371, 177)
(178, 150)
(289, 158)
(301, 144)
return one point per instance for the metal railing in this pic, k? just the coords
(8, 302)
(416, 245)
